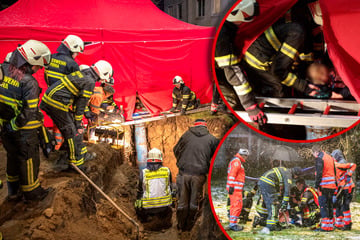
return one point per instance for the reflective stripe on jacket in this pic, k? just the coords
(236, 174)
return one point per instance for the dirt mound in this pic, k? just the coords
(74, 210)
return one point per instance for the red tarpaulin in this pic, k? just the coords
(341, 32)
(145, 46)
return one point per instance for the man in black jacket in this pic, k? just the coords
(183, 97)
(193, 152)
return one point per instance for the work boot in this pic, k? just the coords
(347, 227)
(265, 230)
(14, 193)
(236, 228)
(38, 194)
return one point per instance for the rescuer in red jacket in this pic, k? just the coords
(234, 186)
(325, 182)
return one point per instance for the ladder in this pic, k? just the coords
(311, 112)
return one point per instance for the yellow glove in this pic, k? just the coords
(138, 203)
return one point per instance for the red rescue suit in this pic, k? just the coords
(235, 185)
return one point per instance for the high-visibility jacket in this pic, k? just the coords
(183, 95)
(236, 174)
(309, 196)
(19, 101)
(276, 51)
(325, 171)
(156, 187)
(74, 89)
(344, 172)
(279, 177)
(96, 99)
(61, 64)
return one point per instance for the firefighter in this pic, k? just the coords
(325, 183)
(74, 90)
(100, 94)
(183, 98)
(193, 153)
(62, 64)
(227, 57)
(21, 120)
(345, 190)
(234, 186)
(154, 194)
(309, 204)
(271, 184)
(295, 195)
(247, 204)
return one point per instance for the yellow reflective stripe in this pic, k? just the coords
(78, 162)
(83, 150)
(174, 105)
(32, 125)
(30, 176)
(12, 178)
(70, 86)
(227, 60)
(306, 57)
(9, 101)
(243, 89)
(54, 74)
(254, 62)
(278, 174)
(13, 124)
(45, 134)
(267, 180)
(304, 199)
(272, 38)
(55, 89)
(55, 103)
(183, 106)
(286, 198)
(72, 150)
(289, 80)
(289, 50)
(78, 117)
(186, 96)
(30, 187)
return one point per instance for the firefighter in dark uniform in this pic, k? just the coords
(295, 194)
(183, 98)
(193, 153)
(21, 119)
(325, 182)
(62, 64)
(74, 90)
(344, 193)
(232, 81)
(309, 204)
(271, 184)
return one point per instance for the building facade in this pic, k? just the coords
(199, 12)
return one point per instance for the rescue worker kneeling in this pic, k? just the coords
(74, 90)
(183, 98)
(21, 119)
(309, 205)
(154, 195)
(270, 184)
(234, 186)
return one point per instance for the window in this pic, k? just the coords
(216, 7)
(201, 8)
(171, 11)
(179, 9)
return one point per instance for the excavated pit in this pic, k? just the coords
(75, 210)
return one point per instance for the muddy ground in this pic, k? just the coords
(75, 210)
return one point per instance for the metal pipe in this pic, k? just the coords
(141, 145)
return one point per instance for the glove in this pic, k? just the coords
(138, 203)
(256, 114)
(231, 190)
(312, 90)
(334, 199)
(284, 205)
(172, 109)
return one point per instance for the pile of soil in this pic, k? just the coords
(74, 209)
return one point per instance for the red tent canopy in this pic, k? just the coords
(341, 32)
(145, 46)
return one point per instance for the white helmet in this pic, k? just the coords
(316, 12)
(104, 70)
(155, 155)
(245, 11)
(243, 151)
(74, 43)
(178, 80)
(8, 56)
(35, 53)
(83, 66)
